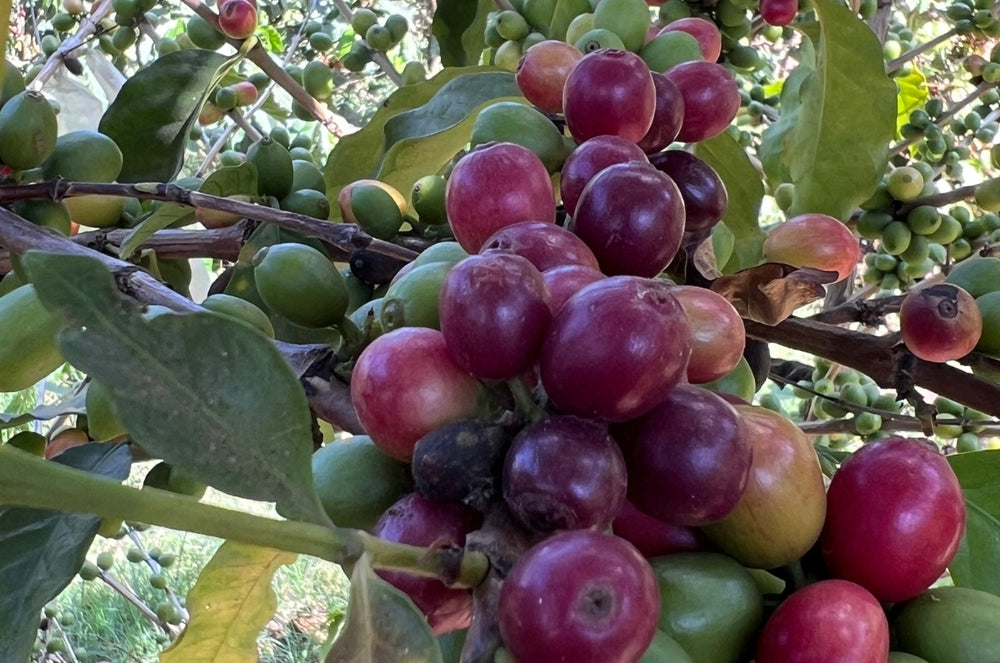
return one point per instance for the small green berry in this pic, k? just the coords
(105, 560)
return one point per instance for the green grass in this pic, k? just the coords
(311, 594)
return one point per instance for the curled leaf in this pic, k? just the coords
(768, 293)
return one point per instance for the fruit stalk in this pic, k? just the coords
(378, 57)
(88, 26)
(980, 90)
(28, 481)
(334, 123)
(879, 358)
(344, 236)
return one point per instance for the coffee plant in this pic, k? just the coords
(572, 330)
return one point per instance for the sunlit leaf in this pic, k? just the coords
(229, 605)
(746, 190)
(835, 155)
(152, 115)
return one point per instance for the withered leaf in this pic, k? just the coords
(768, 293)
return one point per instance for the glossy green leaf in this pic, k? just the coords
(978, 557)
(229, 604)
(165, 216)
(458, 28)
(382, 625)
(360, 155)
(913, 94)
(746, 190)
(454, 102)
(836, 156)
(270, 38)
(410, 159)
(774, 148)
(200, 391)
(152, 115)
(41, 551)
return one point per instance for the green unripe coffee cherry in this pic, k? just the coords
(123, 37)
(274, 167)
(321, 42)
(308, 202)
(28, 130)
(378, 38)
(317, 79)
(312, 27)
(30, 441)
(89, 571)
(491, 35)
(987, 194)
(240, 309)
(376, 207)
(784, 196)
(300, 283)
(166, 612)
(578, 27)
(896, 237)
(55, 646)
(866, 423)
(923, 219)
(158, 581)
(356, 58)
(508, 56)
(203, 34)
(905, 183)
(949, 230)
(166, 560)
(414, 72)
(597, 39)
(166, 46)
(363, 19)
(917, 251)
(670, 49)
(511, 25)
(884, 262)
(428, 199)
(397, 25)
(871, 224)
(105, 560)
(307, 175)
(134, 555)
(629, 19)
(225, 98)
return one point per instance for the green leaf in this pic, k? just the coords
(838, 154)
(165, 216)
(410, 159)
(231, 181)
(41, 551)
(746, 190)
(459, 26)
(152, 115)
(774, 149)
(382, 624)
(360, 155)
(202, 392)
(834, 154)
(978, 555)
(912, 94)
(229, 604)
(270, 38)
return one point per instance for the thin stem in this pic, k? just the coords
(893, 65)
(126, 593)
(941, 199)
(378, 57)
(525, 402)
(980, 90)
(344, 236)
(88, 26)
(334, 123)
(26, 480)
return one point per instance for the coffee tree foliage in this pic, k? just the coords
(882, 116)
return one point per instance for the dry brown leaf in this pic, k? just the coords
(768, 293)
